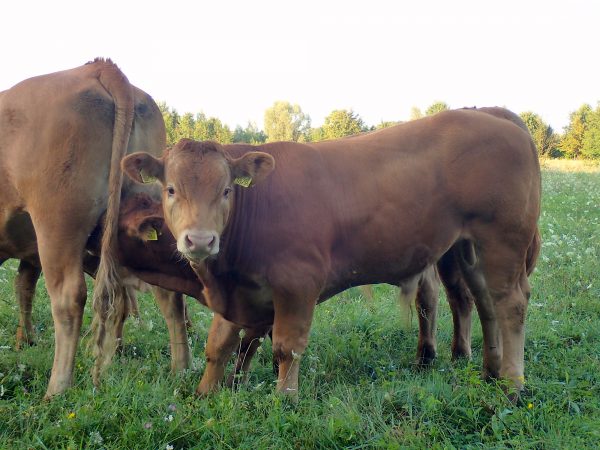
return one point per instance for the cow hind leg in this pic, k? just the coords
(461, 303)
(474, 277)
(512, 310)
(499, 284)
(66, 287)
(173, 308)
(61, 237)
(25, 282)
(426, 305)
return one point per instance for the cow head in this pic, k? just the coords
(141, 217)
(197, 180)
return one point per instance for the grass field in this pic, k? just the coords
(359, 387)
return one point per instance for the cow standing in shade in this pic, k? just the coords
(378, 207)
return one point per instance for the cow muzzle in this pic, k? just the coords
(198, 245)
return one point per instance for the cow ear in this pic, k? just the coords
(150, 228)
(143, 167)
(252, 168)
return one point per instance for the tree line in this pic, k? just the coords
(287, 122)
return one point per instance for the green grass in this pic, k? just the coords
(359, 387)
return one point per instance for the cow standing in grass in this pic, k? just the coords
(378, 207)
(62, 137)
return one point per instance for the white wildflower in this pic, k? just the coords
(96, 438)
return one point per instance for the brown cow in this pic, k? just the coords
(378, 207)
(448, 267)
(138, 213)
(148, 250)
(62, 137)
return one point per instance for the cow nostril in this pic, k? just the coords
(211, 243)
(188, 242)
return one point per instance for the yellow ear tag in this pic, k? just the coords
(243, 181)
(151, 235)
(147, 178)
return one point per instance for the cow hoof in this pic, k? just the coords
(203, 391)
(459, 354)
(23, 339)
(22, 344)
(490, 374)
(426, 356)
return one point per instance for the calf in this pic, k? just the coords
(378, 207)
(147, 248)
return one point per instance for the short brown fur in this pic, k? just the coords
(379, 207)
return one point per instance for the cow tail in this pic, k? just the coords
(533, 252)
(111, 298)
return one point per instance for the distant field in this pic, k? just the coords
(359, 387)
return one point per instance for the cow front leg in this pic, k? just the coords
(293, 318)
(25, 281)
(172, 307)
(223, 337)
(251, 340)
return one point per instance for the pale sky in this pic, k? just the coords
(233, 59)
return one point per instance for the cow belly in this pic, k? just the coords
(250, 306)
(391, 257)
(17, 237)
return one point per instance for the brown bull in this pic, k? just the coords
(62, 137)
(148, 250)
(379, 207)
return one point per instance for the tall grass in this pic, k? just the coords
(359, 386)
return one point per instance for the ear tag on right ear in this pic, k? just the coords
(151, 235)
(147, 178)
(243, 181)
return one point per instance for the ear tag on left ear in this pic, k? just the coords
(151, 235)
(147, 178)
(243, 181)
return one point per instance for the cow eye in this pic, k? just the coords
(226, 192)
(170, 191)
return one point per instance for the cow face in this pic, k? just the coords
(198, 180)
(141, 217)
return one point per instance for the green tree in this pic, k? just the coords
(543, 135)
(340, 123)
(436, 107)
(171, 118)
(316, 134)
(415, 113)
(211, 129)
(572, 139)
(386, 124)
(250, 135)
(590, 145)
(185, 127)
(286, 122)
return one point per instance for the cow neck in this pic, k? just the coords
(213, 292)
(232, 237)
(209, 270)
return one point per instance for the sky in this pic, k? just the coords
(233, 59)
